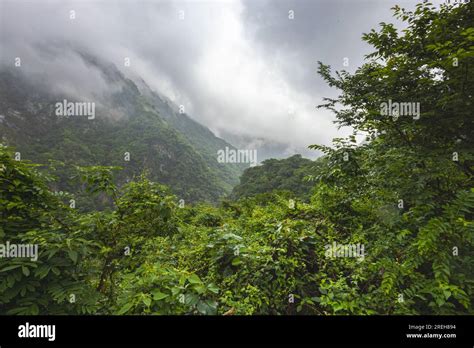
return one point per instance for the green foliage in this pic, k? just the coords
(156, 289)
(279, 175)
(30, 214)
(401, 195)
(403, 191)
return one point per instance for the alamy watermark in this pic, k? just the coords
(8, 250)
(345, 250)
(37, 331)
(66, 108)
(228, 155)
(396, 109)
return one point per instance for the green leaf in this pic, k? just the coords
(125, 308)
(9, 268)
(213, 288)
(25, 270)
(200, 289)
(158, 295)
(236, 261)
(194, 279)
(147, 301)
(208, 307)
(73, 255)
(191, 299)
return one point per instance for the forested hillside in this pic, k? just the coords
(134, 129)
(404, 199)
(277, 175)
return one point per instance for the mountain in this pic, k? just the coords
(133, 127)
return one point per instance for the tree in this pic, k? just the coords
(408, 191)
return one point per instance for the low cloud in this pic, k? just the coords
(242, 68)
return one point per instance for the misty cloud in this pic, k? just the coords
(242, 68)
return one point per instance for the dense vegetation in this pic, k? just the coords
(406, 195)
(286, 175)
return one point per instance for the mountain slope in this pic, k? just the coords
(174, 149)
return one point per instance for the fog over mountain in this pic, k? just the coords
(244, 69)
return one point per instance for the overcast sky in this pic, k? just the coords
(239, 67)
